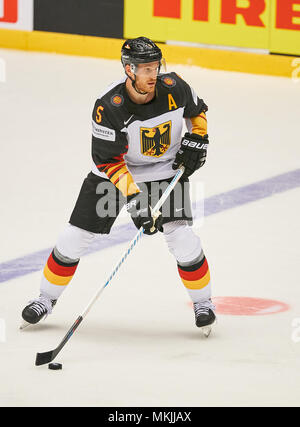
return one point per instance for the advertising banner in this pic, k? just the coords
(285, 27)
(269, 25)
(16, 14)
(100, 18)
(260, 24)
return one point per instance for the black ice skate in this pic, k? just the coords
(36, 310)
(204, 316)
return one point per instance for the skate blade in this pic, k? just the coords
(206, 330)
(24, 325)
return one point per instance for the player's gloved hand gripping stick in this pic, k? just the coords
(192, 153)
(48, 356)
(139, 208)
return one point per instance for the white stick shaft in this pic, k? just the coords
(168, 190)
(134, 241)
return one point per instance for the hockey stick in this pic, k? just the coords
(48, 356)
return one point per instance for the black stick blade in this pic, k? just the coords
(47, 357)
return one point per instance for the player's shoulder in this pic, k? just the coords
(108, 106)
(113, 93)
(175, 86)
(172, 80)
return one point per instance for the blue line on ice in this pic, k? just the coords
(124, 233)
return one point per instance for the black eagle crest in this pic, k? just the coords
(159, 142)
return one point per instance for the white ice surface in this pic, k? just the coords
(138, 346)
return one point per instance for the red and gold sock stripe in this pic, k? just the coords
(195, 276)
(58, 272)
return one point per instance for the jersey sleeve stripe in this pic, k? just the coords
(199, 124)
(111, 171)
(116, 176)
(126, 184)
(121, 176)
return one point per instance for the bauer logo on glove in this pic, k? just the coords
(192, 144)
(192, 153)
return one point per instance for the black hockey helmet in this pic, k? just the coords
(140, 50)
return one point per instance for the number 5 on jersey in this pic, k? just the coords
(99, 115)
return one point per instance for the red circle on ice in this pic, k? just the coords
(248, 306)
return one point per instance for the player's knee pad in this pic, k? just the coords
(182, 242)
(73, 242)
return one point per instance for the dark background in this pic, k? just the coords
(87, 17)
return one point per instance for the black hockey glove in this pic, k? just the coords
(192, 153)
(139, 208)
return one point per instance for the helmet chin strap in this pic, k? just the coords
(135, 88)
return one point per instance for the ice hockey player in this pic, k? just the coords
(137, 145)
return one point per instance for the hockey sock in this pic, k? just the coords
(195, 276)
(57, 274)
(192, 265)
(71, 245)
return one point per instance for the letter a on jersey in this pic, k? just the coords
(172, 103)
(156, 141)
